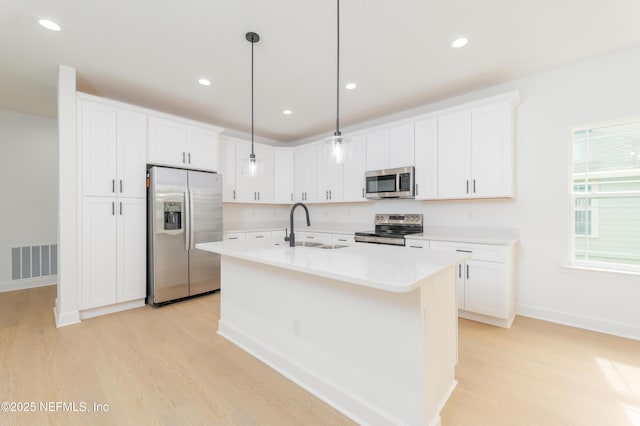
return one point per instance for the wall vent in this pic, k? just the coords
(34, 261)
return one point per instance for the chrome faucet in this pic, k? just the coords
(292, 237)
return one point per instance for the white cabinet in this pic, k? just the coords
(113, 250)
(113, 148)
(426, 159)
(391, 147)
(317, 237)
(178, 144)
(416, 243)
(305, 173)
(475, 152)
(485, 282)
(454, 155)
(343, 239)
(258, 188)
(330, 177)
(228, 170)
(354, 168)
(283, 176)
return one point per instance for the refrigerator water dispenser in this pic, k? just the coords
(172, 215)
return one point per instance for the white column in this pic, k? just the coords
(66, 307)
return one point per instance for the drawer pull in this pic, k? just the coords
(464, 251)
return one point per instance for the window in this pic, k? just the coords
(606, 196)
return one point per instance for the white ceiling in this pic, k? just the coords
(152, 52)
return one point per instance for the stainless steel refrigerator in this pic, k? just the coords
(184, 208)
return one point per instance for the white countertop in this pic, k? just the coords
(496, 236)
(383, 267)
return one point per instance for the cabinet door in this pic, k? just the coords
(378, 150)
(132, 155)
(305, 173)
(246, 185)
(264, 180)
(202, 149)
(283, 176)
(98, 147)
(355, 165)
(492, 151)
(330, 176)
(98, 284)
(484, 288)
(167, 142)
(454, 155)
(131, 249)
(401, 145)
(426, 159)
(228, 169)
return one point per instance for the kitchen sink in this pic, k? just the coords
(314, 244)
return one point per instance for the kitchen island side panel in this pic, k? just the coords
(357, 348)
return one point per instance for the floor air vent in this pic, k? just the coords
(34, 261)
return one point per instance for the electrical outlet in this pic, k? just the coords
(296, 327)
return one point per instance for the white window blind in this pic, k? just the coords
(606, 197)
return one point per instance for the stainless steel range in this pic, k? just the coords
(392, 228)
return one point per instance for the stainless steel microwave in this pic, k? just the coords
(390, 183)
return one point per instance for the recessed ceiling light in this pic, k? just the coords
(204, 82)
(287, 112)
(459, 42)
(350, 86)
(50, 25)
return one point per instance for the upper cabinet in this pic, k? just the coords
(426, 155)
(475, 151)
(391, 147)
(228, 170)
(330, 177)
(305, 173)
(258, 188)
(283, 176)
(112, 145)
(354, 167)
(179, 144)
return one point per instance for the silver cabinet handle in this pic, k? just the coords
(330, 195)
(362, 192)
(183, 157)
(259, 236)
(467, 186)
(120, 208)
(189, 158)
(467, 271)
(234, 194)
(474, 186)
(326, 195)
(464, 251)
(121, 186)
(113, 186)
(113, 208)
(460, 270)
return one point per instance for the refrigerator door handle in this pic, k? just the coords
(187, 213)
(192, 228)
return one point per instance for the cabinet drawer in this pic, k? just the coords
(487, 252)
(344, 239)
(233, 236)
(313, 236)
(419, 244)
(257, 234)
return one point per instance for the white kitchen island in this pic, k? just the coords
(369, 329)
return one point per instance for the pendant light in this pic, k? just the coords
(337, 142)
(252, 38)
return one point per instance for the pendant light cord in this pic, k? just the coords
(337, 133)
(252, 154)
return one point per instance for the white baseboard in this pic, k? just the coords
(28, 283)
(626, 330)
(104, 310)
(64, 319)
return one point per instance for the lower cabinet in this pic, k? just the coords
(113, 251)
(485, 282)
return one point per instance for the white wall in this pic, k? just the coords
(29, 175)
(553, 102)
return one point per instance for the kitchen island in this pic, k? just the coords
(369, 329)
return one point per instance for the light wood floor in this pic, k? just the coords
(168, 366)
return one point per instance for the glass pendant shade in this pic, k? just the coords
(253, 166)
(337, 149)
